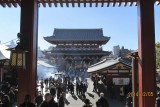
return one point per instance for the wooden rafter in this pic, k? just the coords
(2, 3)
(19, 2)
(102, 3)
(78, 3)
(158, 2)
(8, 3)
(120, 2)
(108, 3)
(125, 3)
(61, 3)
(131, 3)
(43, 3)
(114, 3)
(84, 3)
(67, 4)
(55, 3)
(49, 3)
(96, 3)
(90, 3)
(72, 3)
(14, 3)
(135, 3)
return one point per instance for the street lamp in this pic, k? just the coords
(18, 54)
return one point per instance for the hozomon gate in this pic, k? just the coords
(146, 69)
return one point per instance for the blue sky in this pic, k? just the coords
(119, 23)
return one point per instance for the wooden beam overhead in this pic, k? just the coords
(67, 4)
(90, 3)
(158, 2)
(8, 3)
(61, 3)
(120, 2)
(84, 3)
(96, 3)
(49, 3)
(131, 3)
(79, 3)
(102, 3)
(55, 3)
(125, 3)
(72, 3)
(19, 2)
(135, 3)
(14, 3)
(2, 3)
(43, 3)
(108, 3)
(114, 3)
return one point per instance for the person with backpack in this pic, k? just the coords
(102, 102)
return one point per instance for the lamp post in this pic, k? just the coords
(18, 55)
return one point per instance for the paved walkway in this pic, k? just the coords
(93, 97)
(75, 101)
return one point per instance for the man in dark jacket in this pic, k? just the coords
(62, 99)
(39, 99)
(53, 90)
(49, 102)
(27, 102)
(102, 102)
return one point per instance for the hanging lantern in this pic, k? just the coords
(18, 55)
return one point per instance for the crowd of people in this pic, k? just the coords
(8, 94)
(56, 90)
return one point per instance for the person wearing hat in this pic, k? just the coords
(102, 102)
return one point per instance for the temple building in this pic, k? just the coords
(76, 49)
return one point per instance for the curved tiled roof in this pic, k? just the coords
(77, 35)
(105, 64)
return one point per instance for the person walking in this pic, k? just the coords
(102, 102)
(27, 102)
(39, 99)
(62, 100)
(42, 86)
(48, 102)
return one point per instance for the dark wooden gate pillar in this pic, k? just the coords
(146, 52)
(29, 29)
(135, 78)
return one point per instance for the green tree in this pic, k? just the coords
(158, 55)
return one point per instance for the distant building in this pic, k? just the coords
(120, 52)
(123, 52)
(76, 49)
(116, 50)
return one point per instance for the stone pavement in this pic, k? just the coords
(75, 101)
(93, 97)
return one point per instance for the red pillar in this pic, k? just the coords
(135, 78)
(146, 52)
(29, 29)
